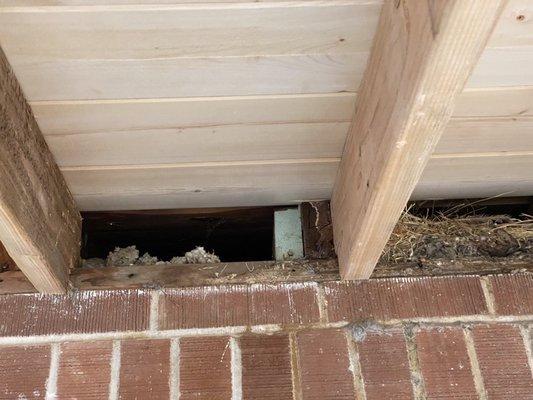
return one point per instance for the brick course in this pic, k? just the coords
(238, 305)
(84, 370)
(78, 312)
(271, 340)
(205, 368)
(513, 294)
(444, 361)
(384, 365)
(266, 367)
(23, 372)
(384, 299)
(324, 365)
(503, 361)
(144, 369)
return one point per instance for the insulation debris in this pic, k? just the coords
(125, 256)
(122, 256)
(146, 259)
(200, 256)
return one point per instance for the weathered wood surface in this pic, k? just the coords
(317, 230)
(422, 55)
(39, 222)
(6, 262)
(171, 276)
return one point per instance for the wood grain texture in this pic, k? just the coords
(39, 223)
(495, 102)
(422, 55)
(191, 77)
(107, 116)
(226, 184)
(281, 182)
(205, 144)
(91, 116)
(90, 3)
(267, 142)
(240, 49)
(186, 31)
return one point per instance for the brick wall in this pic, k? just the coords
(447, 337)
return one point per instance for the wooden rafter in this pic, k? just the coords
(39, 223)
(422, 55)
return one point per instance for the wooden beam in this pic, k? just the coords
(194, 275)
(422, 55)
(39, 223)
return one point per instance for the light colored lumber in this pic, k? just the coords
(476, 176)
(422, 55)
(228, 184)
(188, 30)
(190, 77)
(107, 116)
(495, 102)
(128, 115)
(202, 144)
(134, 3)
(279, 141)
(514, 26)
(281, 182)
(218, 49)
(508, 66)
(39, 224)
(482, 135)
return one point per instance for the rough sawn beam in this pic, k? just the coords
(423, 53)
(39, 222)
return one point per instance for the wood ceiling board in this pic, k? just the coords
(252, 184)
(240, 49)
(188, 31)
(73, 117)
(89, 3)
(476, 177)
(191, 77)
(56, 118)
(482, 135)
(267, 142)
(204, 144)
(515, 25)
(240, 184)
(510, 66)
(494, 102)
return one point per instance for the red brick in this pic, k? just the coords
(293, 303)
(513, 294)
(324, 365)
(503, 362)
(266, 367)
(238, 305)
(385, 366)
(204, 307)
(23, 372)
(84, 370)
(205, 368)
(445, 364)
(144, 369)
(79, 312)
(404, 298)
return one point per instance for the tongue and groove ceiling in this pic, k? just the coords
(168, 104)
